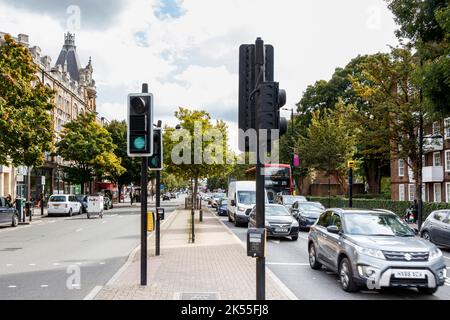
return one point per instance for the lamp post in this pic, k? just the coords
(292, 137)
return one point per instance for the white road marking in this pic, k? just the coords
(102, 263)
(44, 286)
(12, 287)
(287, 264)
(52, 221)
(57, 264)
(79, 263)
(275, 241)
(104, 221)
(78, 230)
(32, 264)
(93, 293)
(9, 265)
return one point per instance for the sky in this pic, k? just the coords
(188, 50)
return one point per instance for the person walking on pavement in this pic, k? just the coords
(415, 211)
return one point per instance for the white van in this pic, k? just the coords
(241, 200)
(66, 204)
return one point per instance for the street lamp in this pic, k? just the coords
(292, 137)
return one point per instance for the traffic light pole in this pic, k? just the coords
(144, 222)
(260, 186)
(350, 189)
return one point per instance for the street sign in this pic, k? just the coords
(161, 187)
(296, 160)
(43, 180)
(351, 164)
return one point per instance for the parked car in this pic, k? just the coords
(83, 200)
(63, 204)
(306, 213)
(8, 214)
(436, 228)
(173, 195)
(166, 197)
(374, 249)
(288, 200)
(279, 222)
(222, 207)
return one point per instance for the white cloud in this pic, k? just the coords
(200, 49)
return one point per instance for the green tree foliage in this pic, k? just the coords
(90, 149)
(426, 25)
(118, 132)
(198, 165)
(26, 125)
(331, 140)
(217, 182)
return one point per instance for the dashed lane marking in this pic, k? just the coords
(32, 264)
(102, 263)
(44, 286)
(12, 287)
(9, 265)
(78, 230)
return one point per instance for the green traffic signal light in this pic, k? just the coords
(139, 143)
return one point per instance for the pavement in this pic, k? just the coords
(216, 266)
(68, 257)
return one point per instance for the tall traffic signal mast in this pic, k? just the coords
(260, 101)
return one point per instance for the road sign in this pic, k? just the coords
(161, 187)
(43, 180)
(351, 164)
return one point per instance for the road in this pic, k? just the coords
(289, 261)
(67, 257)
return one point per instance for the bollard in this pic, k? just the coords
(192, 225)
(201, 215)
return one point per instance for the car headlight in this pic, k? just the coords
(374, 253)
(241, 209)
(295, 223)
(435, 253)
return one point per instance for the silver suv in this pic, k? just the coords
(374, 249)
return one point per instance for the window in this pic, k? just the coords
(437, 192)
(410, 171)
(447, 160)
(411, 192)
(324, 220)
(440, 216)
(401, 192)
(436, 159)
(401, 167)
(436, 128)
(447, 128)
(336, 221)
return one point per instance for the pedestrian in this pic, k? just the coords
(9, 199)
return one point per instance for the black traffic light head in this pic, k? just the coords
(140, 125)
(155, 162)
(247, 86)
(270, 100)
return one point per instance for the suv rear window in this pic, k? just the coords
(57, 199)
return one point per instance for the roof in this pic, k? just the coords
(68, 56)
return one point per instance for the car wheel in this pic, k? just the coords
(236, 224)
(428, 291)
(426, 236)
(88, 216)
(314, 264)
(80, 212)
(294, 238)
(346, 276)
(70, 212)
(15, 221)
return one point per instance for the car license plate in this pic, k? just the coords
(281, 230)
(409, 274)
(56, 205)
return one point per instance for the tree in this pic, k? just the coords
(203, 158)
(90, 149)
(217, 182)
(426, 25)
(331, 140)
(394, 95)
(118, 132)
(26, 125)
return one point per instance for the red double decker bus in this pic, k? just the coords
(278, 178)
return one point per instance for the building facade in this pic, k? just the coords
(436, 168)
(75, 94)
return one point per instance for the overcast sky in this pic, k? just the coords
(187, 50)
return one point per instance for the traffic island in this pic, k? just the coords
(215, 267)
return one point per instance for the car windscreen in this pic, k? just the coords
(290, 200)
(277, 211)
(376, 224)
(246, 197)
(308, 207)
(219, 195)
(57, 199)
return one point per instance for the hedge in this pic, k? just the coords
(399, 207)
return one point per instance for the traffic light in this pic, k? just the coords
(155, 162)
(140, 125)
(247, 86)
(270, 100)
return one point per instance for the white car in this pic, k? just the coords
(64, 204)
